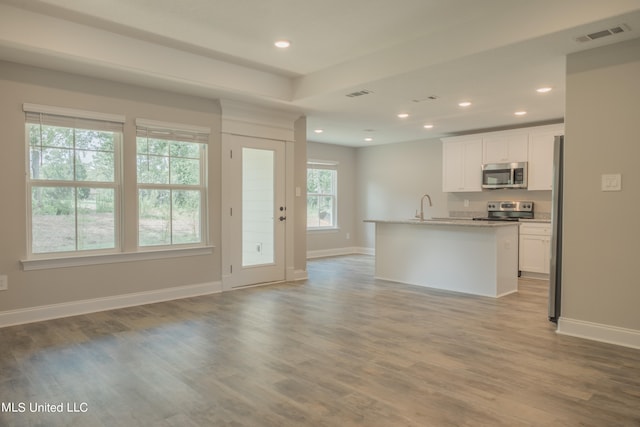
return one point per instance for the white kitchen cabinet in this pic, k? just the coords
(505, 147)
(541, 156)
(535, 247)
(462, 164)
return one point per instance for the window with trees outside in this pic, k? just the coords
(322, 194)
(171, 176)
(73, 180)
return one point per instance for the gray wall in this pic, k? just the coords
(20, 84)
(601, 232)
(344, 236)
(390, 181)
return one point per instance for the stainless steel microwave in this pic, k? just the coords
(504, 175)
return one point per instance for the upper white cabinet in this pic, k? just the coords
(505, 147)
(541, 142)
(463, 156)
(462, 164)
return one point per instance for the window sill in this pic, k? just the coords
(323, 230)
(78, 261)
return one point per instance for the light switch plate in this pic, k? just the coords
(611, 182)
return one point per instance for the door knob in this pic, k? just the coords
(282, 218)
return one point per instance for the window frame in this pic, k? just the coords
(74, 119)
(332, 166)
(175, 132)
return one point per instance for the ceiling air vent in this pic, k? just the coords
(359, 93)
(603, 33)
(428, 98)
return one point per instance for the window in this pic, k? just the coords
(171, 176)
(322, 191)
(73, 180)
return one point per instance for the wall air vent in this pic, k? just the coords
(359, 93)
(603, 33)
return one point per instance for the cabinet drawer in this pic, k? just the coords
(535, 229)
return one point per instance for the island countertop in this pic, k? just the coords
(446, 221)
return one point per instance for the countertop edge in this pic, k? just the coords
(441, 222)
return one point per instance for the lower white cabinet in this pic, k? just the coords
(535, 247)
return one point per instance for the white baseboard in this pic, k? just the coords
(535, 276)
(599, 332)
(300, 275)
(55, 311)
(323, 253)
(366, 251)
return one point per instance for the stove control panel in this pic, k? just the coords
(506, 206)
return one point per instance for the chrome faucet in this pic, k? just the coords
(421, 216)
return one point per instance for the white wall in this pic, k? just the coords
(327, 242)
(601, 289)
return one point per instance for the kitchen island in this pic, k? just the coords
(475, 257)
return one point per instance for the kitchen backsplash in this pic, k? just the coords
(474, 204)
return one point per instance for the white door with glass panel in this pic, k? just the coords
(257, 212)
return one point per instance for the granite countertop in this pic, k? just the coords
(540, 220)
(463, 222)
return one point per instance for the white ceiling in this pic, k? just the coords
(494, 53)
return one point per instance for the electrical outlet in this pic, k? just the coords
(4, 282)
(348, 236)
(466, 203)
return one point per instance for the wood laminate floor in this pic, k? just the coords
(341, 349)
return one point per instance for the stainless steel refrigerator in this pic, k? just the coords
(555, 273)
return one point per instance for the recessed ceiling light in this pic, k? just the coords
(368, 139)
(282, 44)
(464, 104)
(543, 90)
(428, 126)
(403, 115)
(520, 113)
(318, 131)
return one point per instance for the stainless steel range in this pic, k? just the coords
(507, 211)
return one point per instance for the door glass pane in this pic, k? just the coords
(258, 198)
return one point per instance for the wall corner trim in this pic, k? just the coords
(75, 308)
(599, 332)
